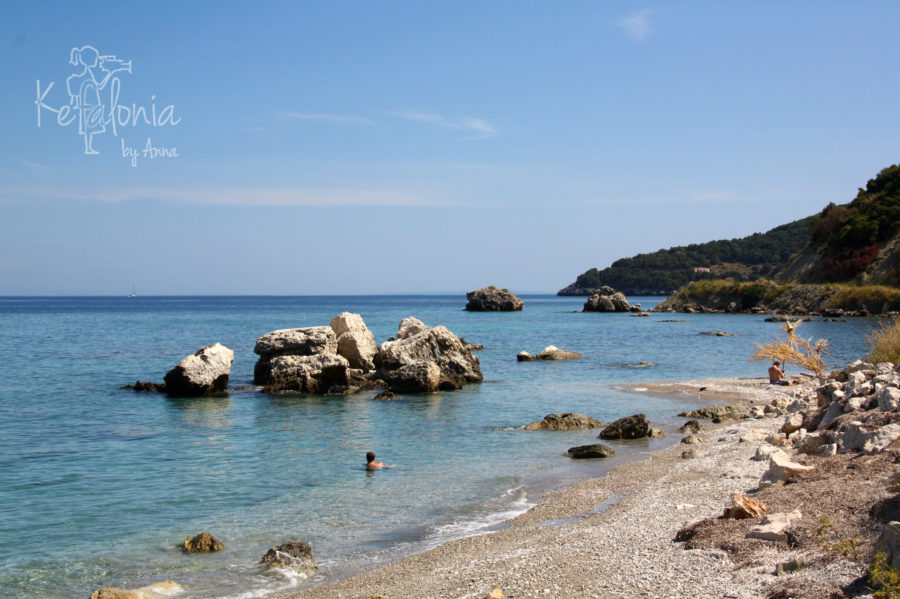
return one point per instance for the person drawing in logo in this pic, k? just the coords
(85, 87)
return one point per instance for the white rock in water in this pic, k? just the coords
(204, 372)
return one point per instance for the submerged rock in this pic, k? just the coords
(157, 589)
(296, 556)
(549, 353)
(205, 372)
(591, 451)
(202, 543)
(563, 422)
(491, 299)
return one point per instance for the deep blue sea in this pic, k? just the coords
(98, 485)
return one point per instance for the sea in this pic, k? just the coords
(99, 484)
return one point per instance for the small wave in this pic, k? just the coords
(640, 389)
(513, 502)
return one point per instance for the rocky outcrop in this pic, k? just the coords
(342, 358)
(563, 422)
(205, 372)
(423, 359)
(202, 543)
(491, 299)
(549, 353)
(296, 556)
(630, 427)
(591, 451)
(355, 342)
(607, 299)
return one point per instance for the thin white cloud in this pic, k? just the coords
(479, 127)
(34, 165)
(323, 117)
(637, 24)
(227, 196)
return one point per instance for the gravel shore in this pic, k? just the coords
(612, 536)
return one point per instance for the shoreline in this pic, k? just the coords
(601, 537)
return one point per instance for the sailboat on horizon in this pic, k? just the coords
(133, 293)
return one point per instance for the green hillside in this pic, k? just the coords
(664, 271)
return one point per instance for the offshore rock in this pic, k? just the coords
(317, 375)
(424, 359)
(303, 360)
(591, 451)
(296, 557)
(202, 543)
(607, 299)
(563, 422)
(491, 299)
(551, 352)
(355, 341)
(205, 372)
(630, 427)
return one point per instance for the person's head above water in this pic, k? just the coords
(370, 456)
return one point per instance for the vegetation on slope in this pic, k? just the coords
(664, 271)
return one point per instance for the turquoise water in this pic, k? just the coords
(98, 485)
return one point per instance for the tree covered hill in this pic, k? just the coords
(664, 271)
(857, 242)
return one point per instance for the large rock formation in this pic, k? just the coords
(607, 299)
(563, 422)
(491, 299)
(205, 372)
(423, 359)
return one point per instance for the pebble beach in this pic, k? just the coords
(614, 536)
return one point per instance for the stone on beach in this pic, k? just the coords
(205, 372)
(202, 543)
(630, 427)
(491, 299)
(773, 527)
(743, 507)
(596, 450)
(781, 469)
(564, 422)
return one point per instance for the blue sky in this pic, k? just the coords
(363, 147)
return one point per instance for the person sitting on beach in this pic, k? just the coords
(371, 464)
(776, 374)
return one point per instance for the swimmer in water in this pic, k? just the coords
(371, 464)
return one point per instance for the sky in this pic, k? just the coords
(418, 147)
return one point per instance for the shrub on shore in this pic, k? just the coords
(874, 298)
(885, 344)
